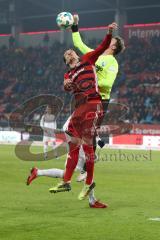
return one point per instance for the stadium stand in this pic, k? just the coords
(139, 82)
(28, 72)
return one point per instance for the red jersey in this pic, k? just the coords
(83, 76)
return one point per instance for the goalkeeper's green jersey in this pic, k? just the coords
(106, 67)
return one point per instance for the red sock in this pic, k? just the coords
(89, 152)
(72, 161)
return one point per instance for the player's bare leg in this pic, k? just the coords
(45, 149)
(54, 148)
(35, 173)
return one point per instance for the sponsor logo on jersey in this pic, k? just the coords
(112, 68)
(77, 72)
(99, 68)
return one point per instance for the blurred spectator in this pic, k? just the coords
(12, 42)
(46, 40)
(28, 72)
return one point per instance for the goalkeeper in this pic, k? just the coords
(106, 69)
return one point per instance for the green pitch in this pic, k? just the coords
(130, 185)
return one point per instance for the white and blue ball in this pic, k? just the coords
(64, 20)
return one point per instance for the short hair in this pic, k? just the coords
(120, 47)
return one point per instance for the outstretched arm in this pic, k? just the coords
(93, 56)
(68, 85)
(76, 37)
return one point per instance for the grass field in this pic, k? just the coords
(130, 187)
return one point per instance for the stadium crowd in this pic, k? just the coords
(138, 84)
(28, 72)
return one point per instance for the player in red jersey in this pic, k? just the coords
(81, 80)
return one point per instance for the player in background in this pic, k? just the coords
(48, 124)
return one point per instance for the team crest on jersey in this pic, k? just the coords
(103, 64)
(99, 68)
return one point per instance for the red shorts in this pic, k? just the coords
(85, 119)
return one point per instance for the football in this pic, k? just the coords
(64, 20)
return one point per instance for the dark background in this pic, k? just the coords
(37, 15)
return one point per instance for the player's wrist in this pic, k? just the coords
(74, 28)
(75, 23)
(112, 27)
(110, 30)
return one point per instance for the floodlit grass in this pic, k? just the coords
(130, 184)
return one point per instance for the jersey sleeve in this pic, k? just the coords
(42, 122)
(66, 78)
(93, 56)
(78, 43)
(55, 124)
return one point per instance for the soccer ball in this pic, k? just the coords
(64, 20)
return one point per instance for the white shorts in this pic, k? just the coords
(49, 139)
(49, 136)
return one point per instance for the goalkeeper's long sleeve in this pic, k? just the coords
(77, 41)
